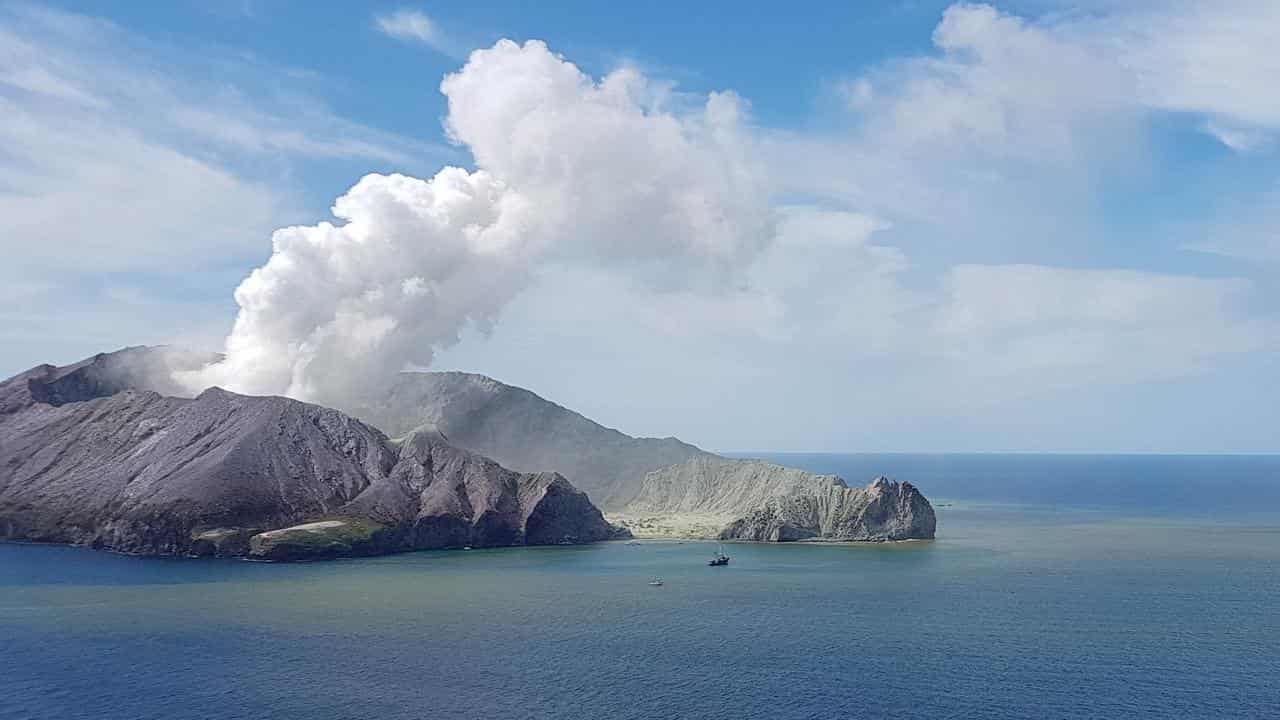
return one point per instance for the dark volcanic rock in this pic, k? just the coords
(443, 496)
(137, 472)
(84, 462)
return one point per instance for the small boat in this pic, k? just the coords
(656, 582)
(719, 559)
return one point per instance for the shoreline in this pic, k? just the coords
(690, 526)
(694, 527)
(810, 542)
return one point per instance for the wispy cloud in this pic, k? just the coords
(124, 164)
(415, 26)
(1246, 230)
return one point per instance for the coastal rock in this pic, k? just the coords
(320, 540)
(221, 542)
(757, 500)
(84, 462)
(883, 510)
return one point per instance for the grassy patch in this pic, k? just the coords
(323, 538)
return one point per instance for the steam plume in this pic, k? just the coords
(619, 172)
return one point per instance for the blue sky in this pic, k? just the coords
(1027, 226)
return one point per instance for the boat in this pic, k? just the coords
(719, 559)
(656, 582)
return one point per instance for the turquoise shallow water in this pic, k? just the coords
(1023, 610)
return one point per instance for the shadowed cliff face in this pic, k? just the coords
(84, 461)
(444, 496)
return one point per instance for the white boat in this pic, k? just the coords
(656, 582)
(720, 558)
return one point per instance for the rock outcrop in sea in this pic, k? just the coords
(86, 459)
(883, 510)
(758, 500)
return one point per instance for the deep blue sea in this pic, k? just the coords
(1058, 587)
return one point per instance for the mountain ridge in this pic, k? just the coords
(525, 431)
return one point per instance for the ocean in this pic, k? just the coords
(1058, 587)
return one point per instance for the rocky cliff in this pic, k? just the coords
(524, 431)
(85, 461)
(883, 510)
(757, 500)
(439, 495)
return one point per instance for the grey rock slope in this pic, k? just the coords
(440, 495)
(719, 486)
(524, 431)
(84, 461)
(757, 500)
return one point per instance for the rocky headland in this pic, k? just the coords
(757, 500)
(87, 458)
